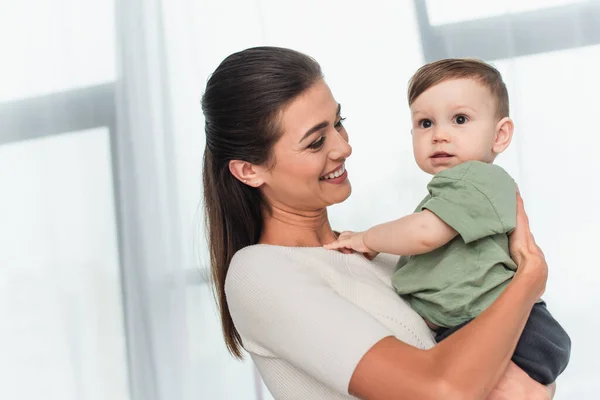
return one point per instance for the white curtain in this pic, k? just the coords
(101, 137)
(61, 330)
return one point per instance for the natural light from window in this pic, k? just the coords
(451, 11)
(39, 38)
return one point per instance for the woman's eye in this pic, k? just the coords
(339, 124)
(460, 119)
(317, 144)
(425, 123)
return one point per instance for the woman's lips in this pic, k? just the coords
(340, 179)
(335, 173)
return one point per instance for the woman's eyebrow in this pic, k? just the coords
(320, 125)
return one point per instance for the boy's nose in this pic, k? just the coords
(440, 135)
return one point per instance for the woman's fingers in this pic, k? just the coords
(521, 214)
(525, 252)
(520, 238)
(524, 240)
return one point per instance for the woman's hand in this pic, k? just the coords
(526, 253)
(516, 384)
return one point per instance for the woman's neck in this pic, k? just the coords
(297, 229)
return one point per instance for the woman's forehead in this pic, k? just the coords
(314, 106)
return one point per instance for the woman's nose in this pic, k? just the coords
(341, 148)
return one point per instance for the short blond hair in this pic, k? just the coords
(436, 72)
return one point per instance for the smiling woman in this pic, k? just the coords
(308, 157)
(274, 161)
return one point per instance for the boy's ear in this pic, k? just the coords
(245, 172)
(504, 134)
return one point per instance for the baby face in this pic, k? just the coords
(453, 122)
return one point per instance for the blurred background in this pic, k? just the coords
(103, 291)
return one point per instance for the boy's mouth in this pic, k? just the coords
(441, 154)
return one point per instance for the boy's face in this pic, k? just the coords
(453, 122)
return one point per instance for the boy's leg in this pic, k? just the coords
(544, 348)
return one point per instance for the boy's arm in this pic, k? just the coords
(413, 234)
(473, 199)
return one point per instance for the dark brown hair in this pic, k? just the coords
(456, 68)
(241, 104)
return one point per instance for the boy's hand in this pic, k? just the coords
(353, 241)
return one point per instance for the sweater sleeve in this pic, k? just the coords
(282, 310)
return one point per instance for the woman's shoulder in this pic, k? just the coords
(262, 259)
(260, 252)
(267, 268)
(268, 259)
(261, 266)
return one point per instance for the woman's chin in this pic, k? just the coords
(342, 192)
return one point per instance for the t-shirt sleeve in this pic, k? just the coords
(292, 314)
(475, 198)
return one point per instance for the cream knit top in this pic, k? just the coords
(308, 315)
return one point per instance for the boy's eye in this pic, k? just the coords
(317, 144)
(460, 119)
(425, 123)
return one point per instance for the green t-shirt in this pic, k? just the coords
(459, 280)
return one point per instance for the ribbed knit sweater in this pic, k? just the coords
(308, 315)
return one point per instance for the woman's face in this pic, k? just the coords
(308, 171)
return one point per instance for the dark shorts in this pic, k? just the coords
(544, 349)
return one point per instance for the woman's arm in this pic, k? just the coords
(469, 363)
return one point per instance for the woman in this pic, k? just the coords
(320, 324)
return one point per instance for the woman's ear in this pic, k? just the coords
(245, 172)
(504, 134)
